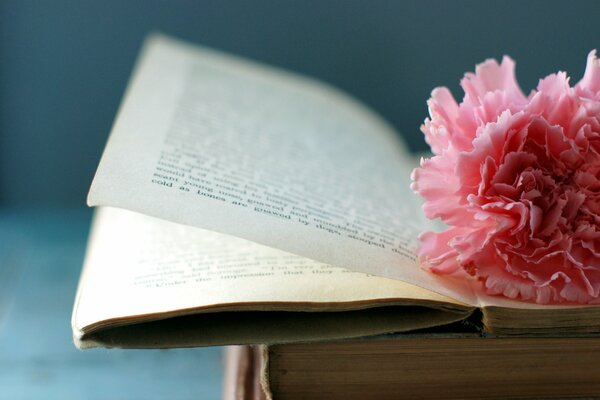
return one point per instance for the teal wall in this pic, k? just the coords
(64, 64)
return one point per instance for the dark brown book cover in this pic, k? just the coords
(455, 366)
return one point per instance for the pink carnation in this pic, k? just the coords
(516, 179)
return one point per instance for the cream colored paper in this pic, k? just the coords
(139, 265)
(208, 140)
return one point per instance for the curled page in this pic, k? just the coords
(212, 141)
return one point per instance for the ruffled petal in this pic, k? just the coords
(435, 252)
(490, 76)
(589, 85)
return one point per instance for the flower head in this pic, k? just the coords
(516, 179)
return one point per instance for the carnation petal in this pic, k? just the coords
(555, 85)
(441, 200)
(552, 216)
(489, 143)
(590, 83)
(443, 104)
(436, 254)
(446, 125)
(490, 76)
(514, 162)
(561, 102)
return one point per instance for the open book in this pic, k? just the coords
(240, 203)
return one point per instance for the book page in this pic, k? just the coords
(228, 145)
(139, 265)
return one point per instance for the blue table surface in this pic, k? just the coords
(41, 253)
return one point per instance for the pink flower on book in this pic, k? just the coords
(516, 179)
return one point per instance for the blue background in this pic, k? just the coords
(64, 64)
